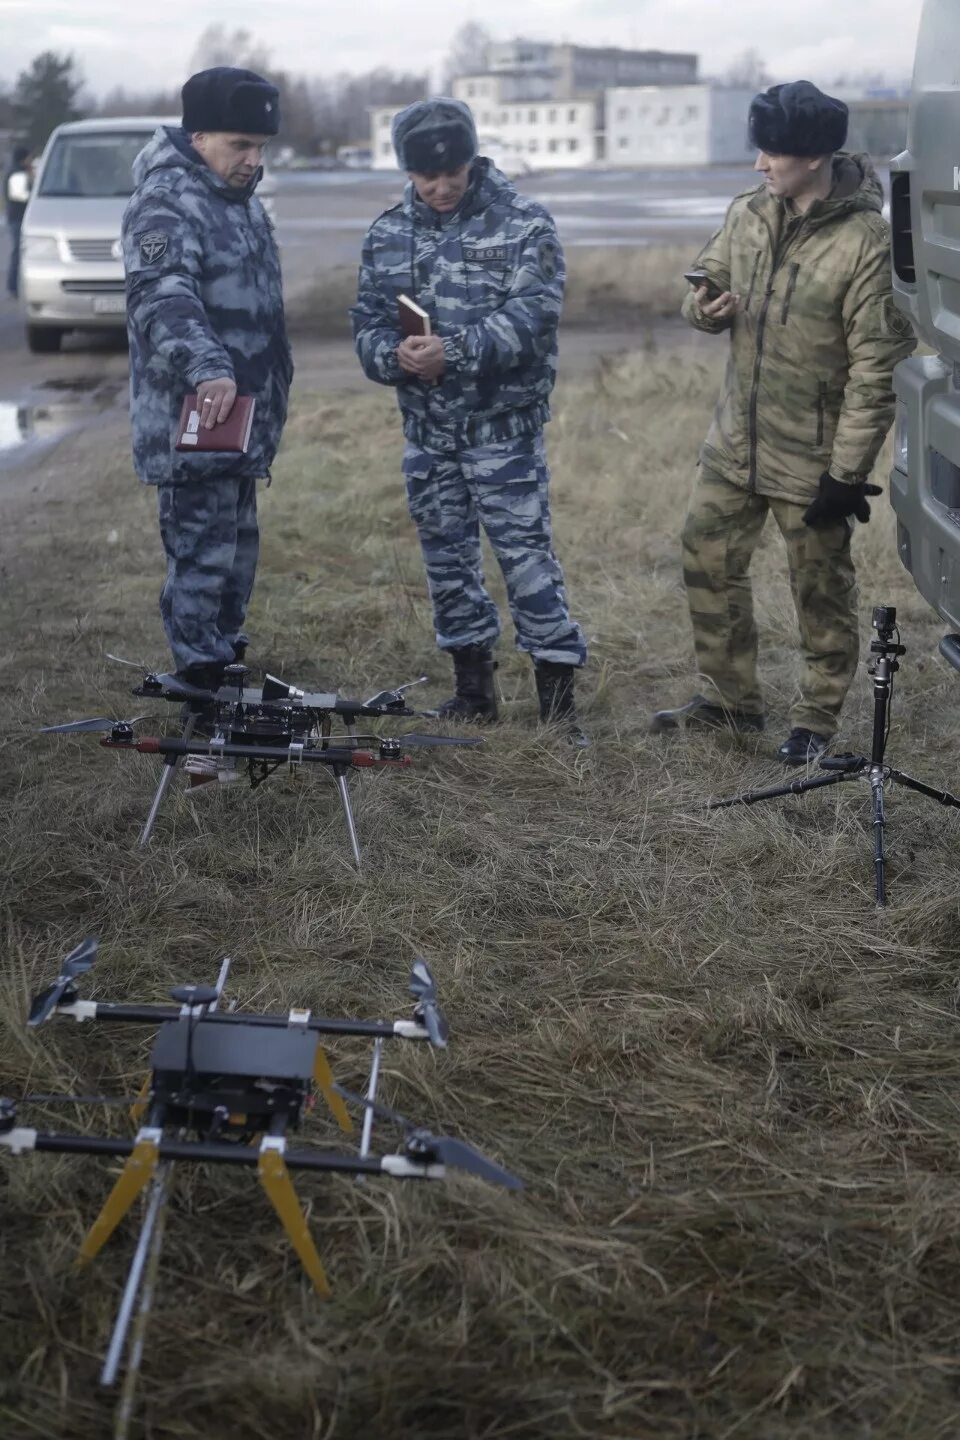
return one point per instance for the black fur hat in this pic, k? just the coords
(798, 119)
(434, 136)
(238, 101)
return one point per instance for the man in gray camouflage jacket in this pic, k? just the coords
(205, 313)
(485, 263)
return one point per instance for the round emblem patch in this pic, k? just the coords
(153, 246)
(547, 255)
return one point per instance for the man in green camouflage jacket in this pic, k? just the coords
(800, 278)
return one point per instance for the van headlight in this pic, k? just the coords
(41, 247)
(901, 438)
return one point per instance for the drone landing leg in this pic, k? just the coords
(136, 1173)
(148, 1245)
(366, 1134)
(275, 1179)
(323, 1079)
(170, 763)
(340, 781)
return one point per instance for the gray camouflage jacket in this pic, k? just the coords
(204, 299)
(491, 277)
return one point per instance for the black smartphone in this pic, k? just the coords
(699, 278)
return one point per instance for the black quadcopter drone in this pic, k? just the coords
(261, 730)
(227, 1088)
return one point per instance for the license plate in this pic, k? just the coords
(109, 304)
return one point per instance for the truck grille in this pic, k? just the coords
(93, 287)
(91, 249)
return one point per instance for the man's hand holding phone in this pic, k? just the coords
(714, 303)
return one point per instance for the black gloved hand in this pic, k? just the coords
(838, 499)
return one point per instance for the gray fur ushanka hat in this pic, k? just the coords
(434, 136)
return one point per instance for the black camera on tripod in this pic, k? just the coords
(885, 623)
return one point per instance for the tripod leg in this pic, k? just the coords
(341, 783)
(275, 1179)
(879, 829)
(942, 796)
(795, 787)
(170, 763)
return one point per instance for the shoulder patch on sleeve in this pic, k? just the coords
(547, 253)
(153, 245)
(895, 323)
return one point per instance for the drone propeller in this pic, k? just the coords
(76, 963)
(396, 695)
(444, 1149)
(132, 664)
(87, 727)
(430, 742)
(423, 988)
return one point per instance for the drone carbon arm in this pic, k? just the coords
(81, 1010)
(21, 1139)
(333, 755)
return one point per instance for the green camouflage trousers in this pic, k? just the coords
(721, 532)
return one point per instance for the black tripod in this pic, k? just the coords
(885, 651)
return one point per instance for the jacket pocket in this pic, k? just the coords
(791, 286)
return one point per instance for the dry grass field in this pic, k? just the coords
(615, 285)
(732, 1087)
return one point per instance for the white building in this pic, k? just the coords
(546, 133)
(677, 125)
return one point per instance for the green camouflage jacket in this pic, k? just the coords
(813, 346)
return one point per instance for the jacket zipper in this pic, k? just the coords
(755, 387)
(791, 286)
(821, 409)
(753, 279)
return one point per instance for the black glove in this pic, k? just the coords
(838, 499)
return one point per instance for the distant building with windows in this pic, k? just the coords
(547, 102)
(653, 125)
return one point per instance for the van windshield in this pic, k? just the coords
(95, 165)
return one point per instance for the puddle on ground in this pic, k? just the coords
(35, 424)
(38, 422)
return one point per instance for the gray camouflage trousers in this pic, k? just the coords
(721, 532)
(502, 486)
(210, 535)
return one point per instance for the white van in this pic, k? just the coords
(71, 259)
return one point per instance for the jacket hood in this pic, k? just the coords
(487, 184)
(169, 148)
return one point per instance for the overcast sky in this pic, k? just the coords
(146, 44)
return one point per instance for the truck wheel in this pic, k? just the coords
(43, 339)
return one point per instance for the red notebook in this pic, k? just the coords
(414, 320)
(233, 435)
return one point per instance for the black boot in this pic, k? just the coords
(475, 698)
(555, 685)
(802, 747)
(204, 712)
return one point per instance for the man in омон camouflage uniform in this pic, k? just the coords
(484, 262)
(205, 314)
(802, 268)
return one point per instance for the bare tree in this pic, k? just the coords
(749, 71)
(468, 54)
(220, 46)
